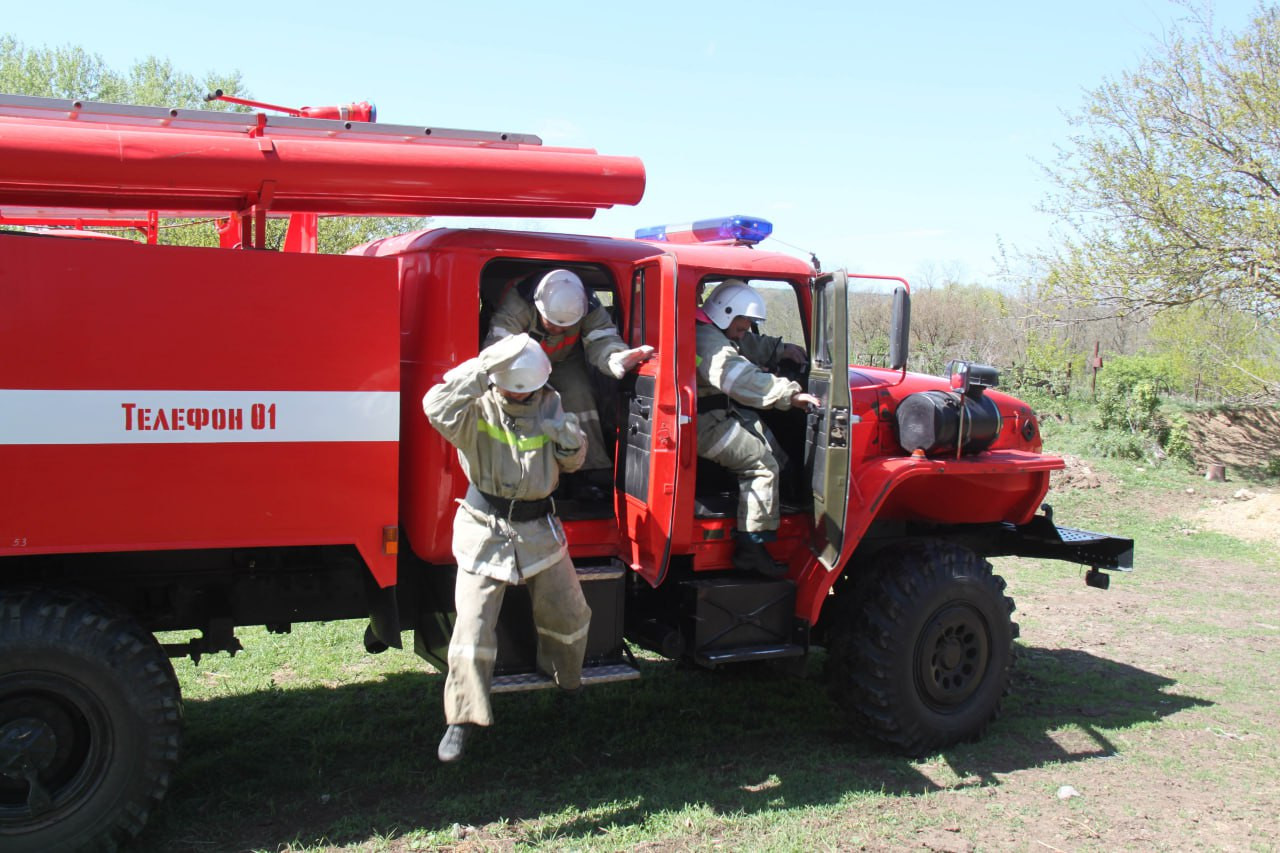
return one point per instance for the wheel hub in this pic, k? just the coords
(26, 743)
(42, 748)
(951, 658)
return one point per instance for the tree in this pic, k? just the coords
(1223, 353)
(73, 72)
(1169, 191)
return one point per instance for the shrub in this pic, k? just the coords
(1272, 468)
(1177, 440)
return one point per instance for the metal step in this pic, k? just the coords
(606, 571)
(743, 654)
(591, 675)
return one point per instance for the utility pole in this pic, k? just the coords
(1096, 364)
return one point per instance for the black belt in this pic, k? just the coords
(515, 510)
(712, 402)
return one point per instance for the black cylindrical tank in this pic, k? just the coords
(932, 421)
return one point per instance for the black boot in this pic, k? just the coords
(750, 555)
(454, 742)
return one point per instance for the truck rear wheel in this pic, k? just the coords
(921, 657)
(90, 719)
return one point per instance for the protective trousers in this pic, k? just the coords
(569, 377)
(560, 613)
(740, 442)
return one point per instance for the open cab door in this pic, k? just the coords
(655, 432)
(827, 453)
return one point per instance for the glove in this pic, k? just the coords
(628, 359)
(565, 431)
(503, 351)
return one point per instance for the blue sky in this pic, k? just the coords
(889, 138)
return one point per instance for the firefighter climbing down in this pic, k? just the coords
(513, 440)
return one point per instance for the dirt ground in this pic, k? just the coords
(1198, 640)
(1241, 441)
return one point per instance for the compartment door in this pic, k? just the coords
(827, 435)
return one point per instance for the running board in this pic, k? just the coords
(591, 675)
(749, 653)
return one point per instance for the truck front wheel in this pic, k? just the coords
(921, 653)
(90, 714)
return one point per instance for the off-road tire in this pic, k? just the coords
(90, 701)
(921, 650)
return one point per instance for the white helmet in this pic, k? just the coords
(560, 298)
(527, 372)
(733, 298)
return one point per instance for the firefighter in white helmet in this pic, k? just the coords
(513, 440)
(734, 381)
(573, 329)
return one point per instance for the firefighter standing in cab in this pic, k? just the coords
(733, 383)
(513, 440)
(573, 328)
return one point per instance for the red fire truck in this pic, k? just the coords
(199, 439)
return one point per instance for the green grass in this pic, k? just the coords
(1154, 699)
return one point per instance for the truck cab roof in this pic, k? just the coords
(705, 259)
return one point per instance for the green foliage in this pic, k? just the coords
(1216, 350)
(1123, 374)
(1044, 351)
(1272, 468)
(1168, 188)
(73, 72)
(1178, 442)
(1129, 424)
(337, 234)
(1132, 409)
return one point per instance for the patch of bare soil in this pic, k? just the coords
(1193, 644)
(1245, 441)
(1078, 474)
(1248, 515)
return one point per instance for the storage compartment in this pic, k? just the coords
(743, 615)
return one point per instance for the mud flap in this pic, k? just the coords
(384, 617)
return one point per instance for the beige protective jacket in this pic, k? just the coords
(513, 450)
(600, 339)
(735, 369)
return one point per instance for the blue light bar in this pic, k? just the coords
(727, 229)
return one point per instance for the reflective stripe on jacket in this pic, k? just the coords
(513, 450)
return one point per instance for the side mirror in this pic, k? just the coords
(899, 328)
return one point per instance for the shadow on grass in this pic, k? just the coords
(348, 764)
